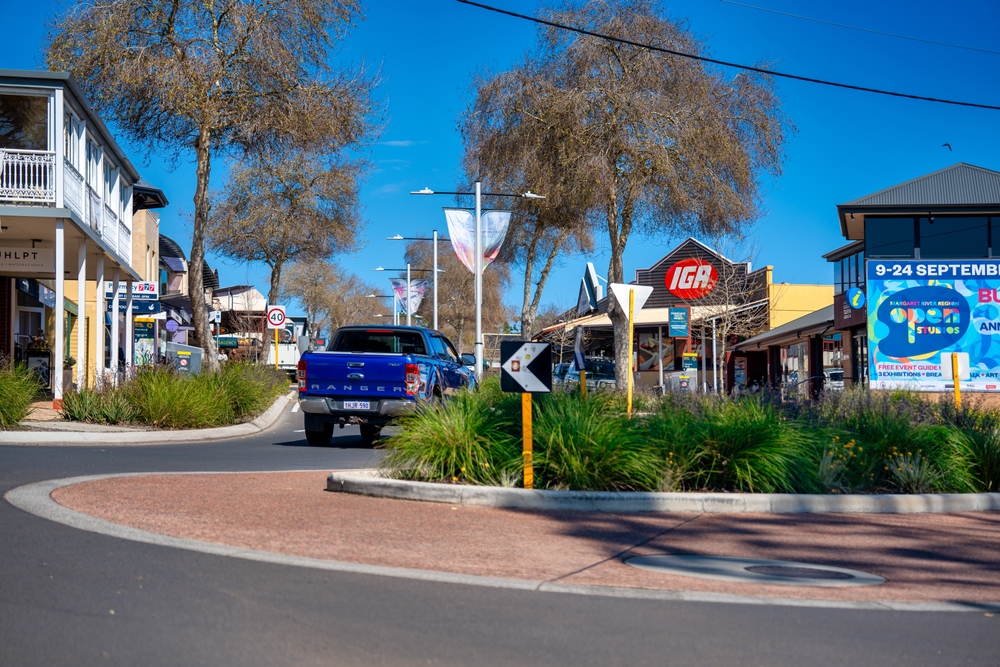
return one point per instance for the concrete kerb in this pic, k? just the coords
(369, 483)
(147, 437)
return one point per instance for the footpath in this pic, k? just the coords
(929, 561)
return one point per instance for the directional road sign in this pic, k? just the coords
(525, 368)
(276, 317)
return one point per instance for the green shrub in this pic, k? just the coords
(165, 398)
(588, 444)
(18, 388)
(474, 438)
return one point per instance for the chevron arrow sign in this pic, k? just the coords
(525, 368)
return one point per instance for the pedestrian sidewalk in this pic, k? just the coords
(926, 559)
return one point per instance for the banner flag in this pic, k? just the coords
(418, 288)
(462, 231)
(578, 355)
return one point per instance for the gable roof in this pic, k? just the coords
(688, 247)
(961, 184)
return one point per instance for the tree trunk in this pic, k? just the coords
(272, 294)
(196, 283)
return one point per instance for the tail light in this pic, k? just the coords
(301, 374)
(412, 379)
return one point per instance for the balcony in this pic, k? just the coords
(27, 177)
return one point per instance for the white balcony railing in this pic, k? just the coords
(27, 176)
(73, 193)
(124, 243)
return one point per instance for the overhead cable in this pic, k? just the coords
(854, 27)
(724, 63)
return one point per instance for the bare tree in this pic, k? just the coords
(286, 204)
(213, 77)
(738, 304)
(667, 144)
(330, 296)
(457, 298)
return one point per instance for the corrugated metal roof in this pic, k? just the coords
(959, 184)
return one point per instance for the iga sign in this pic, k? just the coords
(691, 278)
(922, 311)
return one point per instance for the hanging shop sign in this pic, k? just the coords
(28, 259)
(678, 322)
(921, 311)
(140, 291)
(138, 307)
(691, 278)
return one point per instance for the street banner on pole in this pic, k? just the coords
(579, 358)
(462, 232)
(418, 288)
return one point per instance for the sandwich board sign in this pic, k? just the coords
(525, 368)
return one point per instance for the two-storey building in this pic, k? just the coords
(70, 203)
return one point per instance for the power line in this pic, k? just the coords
(724, 63)
(853, 27)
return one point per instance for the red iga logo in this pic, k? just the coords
(691, 278)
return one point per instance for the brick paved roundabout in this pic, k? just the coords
(928, 561)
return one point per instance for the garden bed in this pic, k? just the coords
(853, 442)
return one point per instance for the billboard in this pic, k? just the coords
(920, 310)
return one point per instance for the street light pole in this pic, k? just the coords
(435, 279)
(479, 282)
(478, 264)
(407, 305)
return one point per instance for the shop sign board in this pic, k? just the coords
(677, 319)
(845, 313)
(27, 259)
(138, 307)
(691, 278)
(144, 341)
(140, 291)
(690, 361)
(920, 311)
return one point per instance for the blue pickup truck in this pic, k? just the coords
(370, 374)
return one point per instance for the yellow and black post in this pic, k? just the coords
(955, 378)
(529, 467)
(631, 329)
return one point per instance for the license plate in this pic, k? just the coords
(357, 405)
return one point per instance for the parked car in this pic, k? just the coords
(600, 374)
(834, 380)
(369, 375)
(559, 373)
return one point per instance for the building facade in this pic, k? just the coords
(70, 203)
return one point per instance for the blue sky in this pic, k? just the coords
(847, 144)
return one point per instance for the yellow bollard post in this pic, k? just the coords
(275, 349)
(526, 450)
(583, 382)
(631, 313)
(954, 376)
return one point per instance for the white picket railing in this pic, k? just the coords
(27, 176)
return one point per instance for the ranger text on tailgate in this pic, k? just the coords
(370, 374)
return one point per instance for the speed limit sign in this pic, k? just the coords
(275, 317)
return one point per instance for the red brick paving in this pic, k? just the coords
(924, 557)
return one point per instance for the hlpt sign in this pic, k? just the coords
(919, 311)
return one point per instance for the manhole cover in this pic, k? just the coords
(797, 572)
(755, 570)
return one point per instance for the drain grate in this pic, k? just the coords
(797, 572)
(755, 570)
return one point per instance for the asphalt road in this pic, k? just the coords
(69, 597)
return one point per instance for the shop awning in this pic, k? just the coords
(808, 325)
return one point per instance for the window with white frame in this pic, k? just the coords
(93, 162)
(71, 135)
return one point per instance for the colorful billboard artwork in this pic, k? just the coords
(921, 310)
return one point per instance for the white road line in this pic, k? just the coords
(35, 498)
(295, 408)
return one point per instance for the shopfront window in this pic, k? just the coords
(795, 370)
(653, 353)
(833, 362)
(849, 272)
(859, 356)
(955, 237)
(889, 237)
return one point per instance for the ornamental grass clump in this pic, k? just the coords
(587, 444)
(473, 438)
(18, 388)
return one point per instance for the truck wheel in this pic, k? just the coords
(321, 437)
(370, 432)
